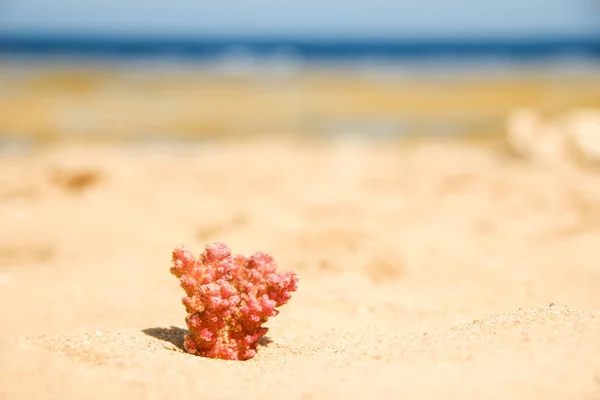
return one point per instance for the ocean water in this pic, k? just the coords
(276, 56)
(544, 48)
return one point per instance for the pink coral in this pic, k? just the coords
(228, 298)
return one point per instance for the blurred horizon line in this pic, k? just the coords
(308, 48)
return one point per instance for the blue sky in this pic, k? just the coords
(306, 18)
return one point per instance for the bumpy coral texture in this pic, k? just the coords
(228, 298)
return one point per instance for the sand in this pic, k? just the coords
(430, 270)
(38, 102)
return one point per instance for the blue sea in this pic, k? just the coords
(525, 50)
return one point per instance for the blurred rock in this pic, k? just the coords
(563, 140)
(583, 129)
(530, 137)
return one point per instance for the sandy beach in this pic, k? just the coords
(145, 102)
(427, 270)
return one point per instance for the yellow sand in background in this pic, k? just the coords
(111, 103)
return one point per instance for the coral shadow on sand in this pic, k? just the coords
(176, 336)
(172, 335)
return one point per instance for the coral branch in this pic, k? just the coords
(228, 298)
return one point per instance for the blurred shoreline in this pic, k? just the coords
(240, 96)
